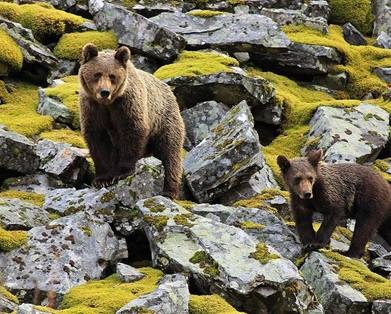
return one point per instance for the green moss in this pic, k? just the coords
(381, 166)
(4, 94)
(87, 231)
(65, 136)
(108, 295)
(207, 263)
(262, 254)
(193, 63)
(259, 201)
(204, 13)
(185, 204)
(19, 113)
(158, 221)
(8, 295)
(54, 216)
(30, 197)
(154, 206)
(300, 261)
(357, 12)
(10, 53)
(355, 273)
(251, 225)
(70, 45)
(236, 2)
(46, 23)
(183, 219)
(360, 61)
(68, 94)
(210, 304)
(10, 240)
(107, 197)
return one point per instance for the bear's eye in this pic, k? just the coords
(297, 180)
(97, 75)
(311, 179)
(112, 77)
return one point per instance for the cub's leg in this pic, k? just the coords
(303, 220)
(329, 223)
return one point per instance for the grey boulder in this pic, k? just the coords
(53, 107)
(384, 74)
(128, 273)
(352, 35)
(6, 306)
(383, 40)
(382, 12)
(37, 183)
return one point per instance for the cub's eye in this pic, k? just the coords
(311, 179)
(112, 77)
(97, 75)
(297, 180)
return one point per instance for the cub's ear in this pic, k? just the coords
(122, 54)
(314, 157)
(89, 51)
(283, 163)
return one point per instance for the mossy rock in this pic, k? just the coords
(8, 295)
(204, 13)
(210, 304)
(70, 45)
(29, 197)
(46, 23)
(193, 63)
(262, 254)
(10, 53)
(357, 12)
(381, 166)
(10, 240)
(65, 136)
(4, 94)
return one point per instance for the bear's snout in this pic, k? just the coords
(104, 93)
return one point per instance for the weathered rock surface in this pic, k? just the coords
(317, 8)
(201, 119)
(235, 32)
(17, 152)
(352, 35)
(26, 308)
(50, 106)
(62, 69)
(170, 297)
(136, 31)
(218, 258)
(62, 161)
(382, 12)
(37, 183)
(17, 214)
(128, 273)
(144, 63)
(229, 156)
(383, 41)
(384, 74)
(65, 253)
(382, 265)
(356, 134)
(6, 306)
(229, 89)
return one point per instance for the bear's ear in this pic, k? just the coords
(283, 163)
(122, 54)
(314, 157)
(89, 51)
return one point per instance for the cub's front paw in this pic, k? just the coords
(103, 182)
(352, 254)
(315, 246)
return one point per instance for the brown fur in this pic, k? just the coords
(337, 191)
(138, 111)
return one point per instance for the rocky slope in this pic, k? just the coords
(254, 79)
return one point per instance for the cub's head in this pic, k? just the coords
(103, 75)
(300, 174)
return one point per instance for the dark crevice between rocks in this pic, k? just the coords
(139, 251)
(5, 174)
(267, 133)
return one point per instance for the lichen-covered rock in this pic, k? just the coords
(235, 32)
(39, 58)
(144, 63)
(317, 8)
(170, 297)
(149, 8)
(53, 107)
(382, 12)
(62, 69)
(201, 119)
(16, 214)
(65, 253)
(222, 259)
(147, 181)
(26, 308)
(381, 307)
(352, 35)
(382, 265)
(62, 161)
(295, 17)
(229, 89)
(300, 59)
(6, 306)
(229, 156)
(36, 183)
(383, 41)
(17, 152)
(137, 32)
(128, 273)
(384, 74)
(356, 134)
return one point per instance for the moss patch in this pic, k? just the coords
(204, 13)
(355, 273)
(46, 23)
(259, 201)
(108, 295)
(8, 295)
(185, 204)
(251, 225)
(357, 12)
(70, 45)
(30, 197)
(10, 240)
(19, 113)
(360, 61)
(262, 254)
(154, 206)
(210, 304)
(158, 221)
(210, 267)
(193, 63)
(381, 166)
(10, 53)
(183, 219)
(65, 136)
(68, 94)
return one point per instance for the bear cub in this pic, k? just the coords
(337, 191)
(125, 114)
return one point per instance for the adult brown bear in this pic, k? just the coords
(126, 112)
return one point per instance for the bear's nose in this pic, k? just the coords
(307, 195)
(105, 93)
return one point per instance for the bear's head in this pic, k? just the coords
(104, 75)
(300, 174)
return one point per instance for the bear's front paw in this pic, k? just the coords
(103, 182)
(313, 246)
(352, 254)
